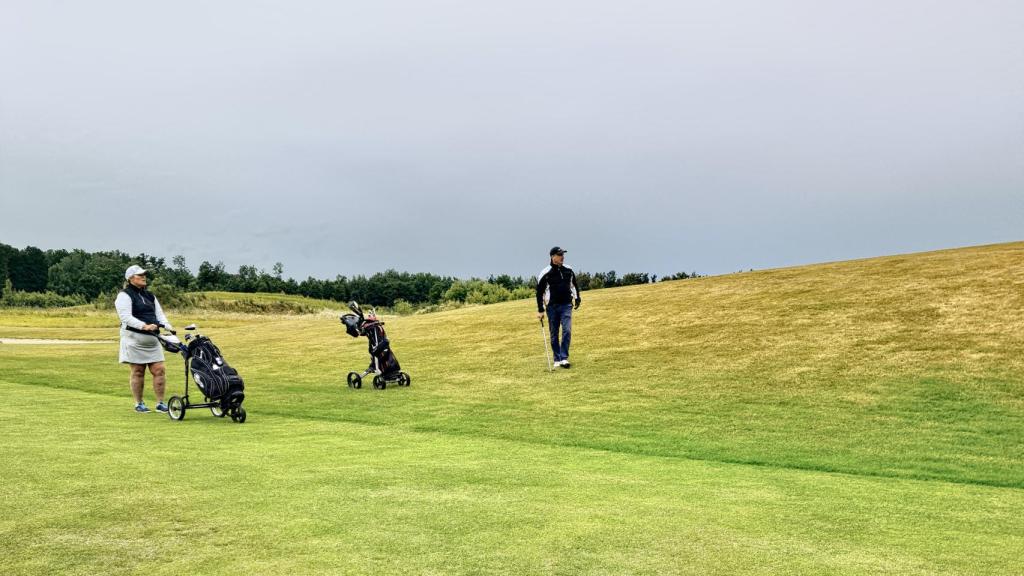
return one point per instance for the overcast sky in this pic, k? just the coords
(468, 137)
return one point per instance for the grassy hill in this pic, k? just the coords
(852, 418)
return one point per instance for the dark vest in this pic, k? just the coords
(143, 304)
(560, 284)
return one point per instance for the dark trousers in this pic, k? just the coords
(560, 315)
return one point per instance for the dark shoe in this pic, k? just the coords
(565, 364)
(141, 408)
(161, 407)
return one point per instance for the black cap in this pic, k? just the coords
(557, 250)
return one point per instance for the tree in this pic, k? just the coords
(604, 280)
(633, 278)
(337, 289)
(507, 281)
(65, 277)
(28, 270)
(680, 276)
(583, 280)
(54, 256)
(312, 288)
(88, 274)
(244, 281)
(104, 272)
(438, 289)
(6, 253)
(211, 277)
(179, 276)
(154, 266)
(77, 274)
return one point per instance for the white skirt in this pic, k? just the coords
(140, 348)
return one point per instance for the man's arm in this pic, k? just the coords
(576, 292)
(542, 286)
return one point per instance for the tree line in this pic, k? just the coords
(35, 277)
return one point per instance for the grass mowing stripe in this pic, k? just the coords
(265, 411)
(87, 500)
(980, 440)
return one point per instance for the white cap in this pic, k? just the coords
(133, 270)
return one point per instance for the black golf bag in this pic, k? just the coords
(216, 379)
(222, 387)
(382, 359)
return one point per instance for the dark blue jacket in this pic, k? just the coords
(557, 285)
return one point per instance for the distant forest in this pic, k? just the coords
(48, 278)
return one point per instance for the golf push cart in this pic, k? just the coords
(382, 360)
(220, 384)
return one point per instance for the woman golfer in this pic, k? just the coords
(140, 313)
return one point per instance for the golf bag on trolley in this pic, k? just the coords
(383, 362)
(216, 379)
(222, 388)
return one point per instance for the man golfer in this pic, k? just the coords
(558, 291)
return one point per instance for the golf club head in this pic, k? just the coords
(352, 324)
(190, 327)
(354, 306)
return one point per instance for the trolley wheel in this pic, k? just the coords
(355, 380)
(238, 415)
(379, 383)
(404, 379)
(217, 411)
(176, 408)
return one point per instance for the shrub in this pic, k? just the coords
(487, 293)
(446, 305)
(170, 296)
(481, 292)
(250, 306)
(12, 298)
(402, 308)
(523, 293)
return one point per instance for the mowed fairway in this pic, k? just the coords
(863, 417)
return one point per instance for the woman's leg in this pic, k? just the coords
(135, 381)
(158, 371)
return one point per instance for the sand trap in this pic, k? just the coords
(44, 341)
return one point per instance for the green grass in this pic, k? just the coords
(859, 417)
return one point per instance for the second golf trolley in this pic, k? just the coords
(382, 360)
(221, 386)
